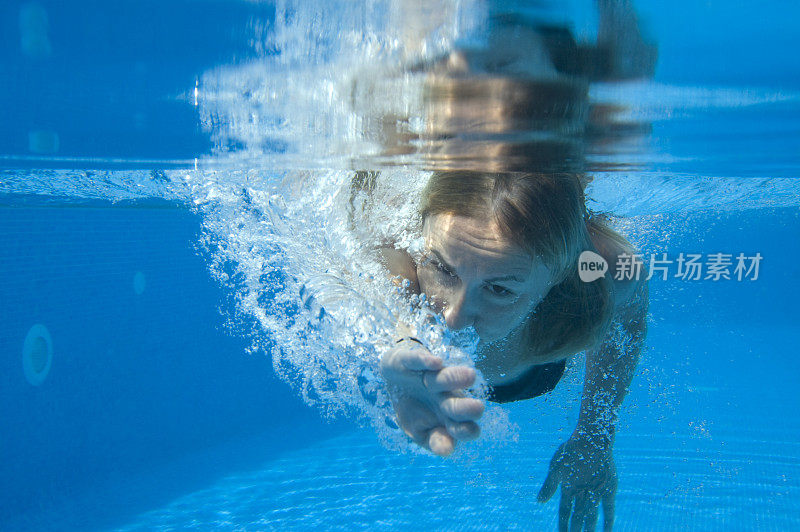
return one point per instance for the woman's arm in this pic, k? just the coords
(427, 397)
(611, 363)
(584, 464)
(610, 366)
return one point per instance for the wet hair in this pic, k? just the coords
(544, 214)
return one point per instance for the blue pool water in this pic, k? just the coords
(153, 419)
(122, 219)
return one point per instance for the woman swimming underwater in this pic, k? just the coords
(501, 255)
(502, 247)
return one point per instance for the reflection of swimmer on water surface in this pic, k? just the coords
(518, 102)
(501, 249)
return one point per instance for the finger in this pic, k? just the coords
(416, 416)
(440, 442)
(590, 520)
(421, 436)
(417, 360)
(579, 511)
(463, 431)
(608, 511)
(564, 509)
(462, 408)
(449, 379)
(418, 435)
(550, 484)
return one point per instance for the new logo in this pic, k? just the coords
(591, 266)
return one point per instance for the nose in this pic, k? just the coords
(457, 314)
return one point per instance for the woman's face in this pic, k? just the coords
(479, 278)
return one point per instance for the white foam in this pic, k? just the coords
(326, 310)
(336, 71)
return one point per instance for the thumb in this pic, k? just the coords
(551, 482)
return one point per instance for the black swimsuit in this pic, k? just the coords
(537, 381)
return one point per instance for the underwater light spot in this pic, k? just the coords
(43, 142)
(139, 283)
(33, 27)
(139, 121)
(37, 354)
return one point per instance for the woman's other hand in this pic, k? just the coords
(428, 398)
(584, 467)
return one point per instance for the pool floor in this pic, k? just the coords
(696, 450)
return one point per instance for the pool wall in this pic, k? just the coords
(143, 371)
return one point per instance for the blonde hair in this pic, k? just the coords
(546, 215)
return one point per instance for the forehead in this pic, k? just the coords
(476, 245)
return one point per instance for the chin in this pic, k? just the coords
(497, 335)
(490, 337)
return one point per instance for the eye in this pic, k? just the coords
(444, 272)
(499, 291)
(438, 266)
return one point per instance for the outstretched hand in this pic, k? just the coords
(585, 470)
(428, 399)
